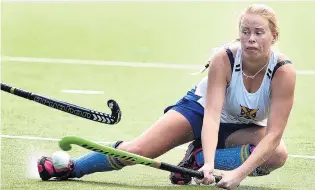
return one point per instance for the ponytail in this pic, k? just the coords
(214, 51)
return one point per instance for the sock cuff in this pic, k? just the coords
(245, 152)
(118, 163)
(117, 143)
(114, 163)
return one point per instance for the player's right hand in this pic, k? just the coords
(208, 178)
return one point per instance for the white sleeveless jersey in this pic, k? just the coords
(240, 106)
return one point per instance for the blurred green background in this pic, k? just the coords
(180, 33)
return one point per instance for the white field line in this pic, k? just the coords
(115, 63)
(8, 1)
(82, 92)
(98, 62)
(105, 142)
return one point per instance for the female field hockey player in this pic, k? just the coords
(235, 117)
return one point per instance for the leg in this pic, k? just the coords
(171, 130)
(253, 136)
(239, 145)
(235, 144)
(225, 159)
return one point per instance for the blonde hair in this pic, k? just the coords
(267, 13)
(258, 9)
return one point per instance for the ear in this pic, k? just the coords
(275, 37)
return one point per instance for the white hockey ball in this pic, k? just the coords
(61, 159)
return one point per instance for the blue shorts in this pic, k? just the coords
(194, 112)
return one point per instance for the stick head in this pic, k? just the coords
(116, 113)
(64, 145)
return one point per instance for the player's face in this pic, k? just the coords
(255, 35)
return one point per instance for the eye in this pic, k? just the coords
(258, 33)
(246, 32)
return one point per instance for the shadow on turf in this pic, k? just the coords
(167, 187)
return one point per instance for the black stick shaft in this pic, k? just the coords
(17, 92)
(82, 112)
(192, 173)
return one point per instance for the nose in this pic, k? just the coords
(252, 39)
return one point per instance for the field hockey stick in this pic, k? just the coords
(85, 113)
(66, 142)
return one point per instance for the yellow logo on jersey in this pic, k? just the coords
(248, 113)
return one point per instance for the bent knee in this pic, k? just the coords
(279, 158)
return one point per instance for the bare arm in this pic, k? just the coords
(219, 71)
(282, 87)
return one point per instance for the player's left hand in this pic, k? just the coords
(230, 180)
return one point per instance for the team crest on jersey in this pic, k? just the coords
(248, 113)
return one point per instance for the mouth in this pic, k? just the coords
(251, 49)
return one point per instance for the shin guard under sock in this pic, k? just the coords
(95, 162)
